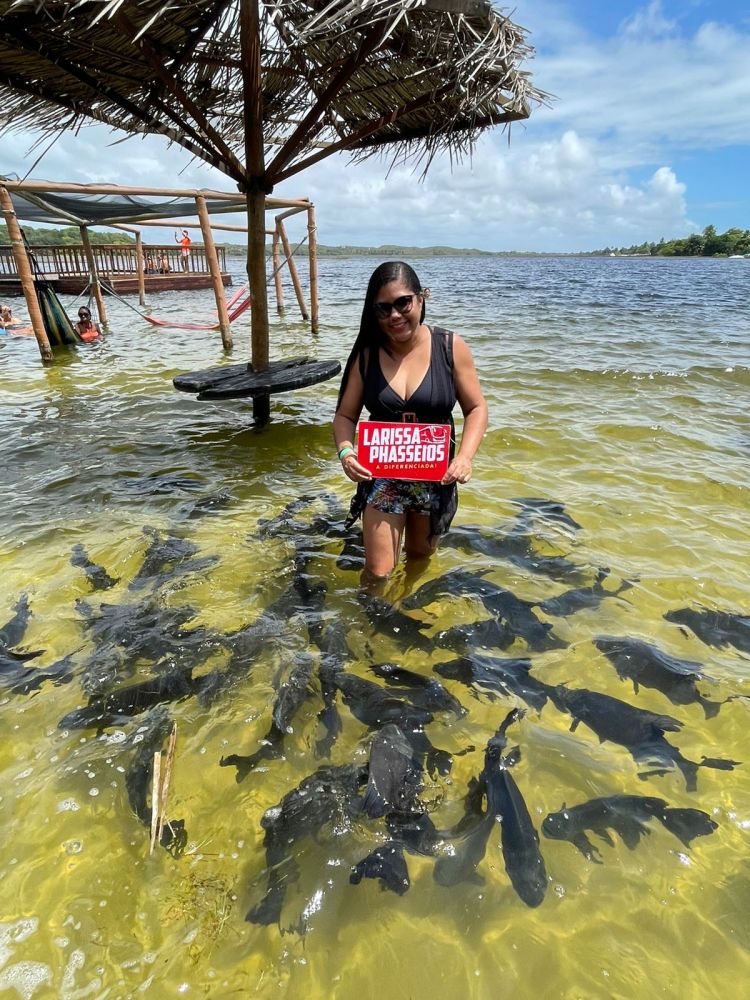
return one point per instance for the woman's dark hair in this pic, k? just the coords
(370, 335)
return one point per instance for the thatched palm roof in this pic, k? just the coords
(414, 76)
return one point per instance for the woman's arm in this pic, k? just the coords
(345, 423)
(474, 409)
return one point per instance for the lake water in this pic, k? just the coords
(617, 387)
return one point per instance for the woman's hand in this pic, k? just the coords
(356, 472)
(459, 471)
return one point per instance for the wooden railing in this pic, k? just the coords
(112, 259)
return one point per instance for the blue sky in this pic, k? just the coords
(648, 135)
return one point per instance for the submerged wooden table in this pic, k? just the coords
(241, 381)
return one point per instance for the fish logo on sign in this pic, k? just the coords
(404, 450)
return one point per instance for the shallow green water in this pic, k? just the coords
(618, 387)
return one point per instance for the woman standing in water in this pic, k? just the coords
(401, 369)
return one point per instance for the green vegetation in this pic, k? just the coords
(387, 252)
(709, 243)
(71, 235)
(62, 237)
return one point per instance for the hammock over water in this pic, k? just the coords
(233, 314)
(60, 331)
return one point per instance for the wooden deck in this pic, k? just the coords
(123, 284)
(65, 268)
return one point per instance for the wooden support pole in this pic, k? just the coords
(292, 268)
(139, 269)
(213, 266)
(256, 198)
(95, 286)
(312, 251)
(23, 267)
(277, 274)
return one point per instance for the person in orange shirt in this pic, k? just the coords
(86, 327)
(185, 244)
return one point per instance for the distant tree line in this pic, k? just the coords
(709, 243)
(63, 237)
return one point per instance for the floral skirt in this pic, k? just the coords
(400, 496)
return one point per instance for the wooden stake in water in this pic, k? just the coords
(155, 799)
(160, 788)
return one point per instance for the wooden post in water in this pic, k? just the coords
(277, 274)
(312, 249)
(292, 267)
(95, 286)
(256, 196)
(213, 266)
(139, 269)
(23, 266)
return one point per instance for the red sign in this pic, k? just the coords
(404, 451)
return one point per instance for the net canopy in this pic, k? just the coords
(413, 77)
(43, 201)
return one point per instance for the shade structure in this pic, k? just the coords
(39, 201)
(415, 76)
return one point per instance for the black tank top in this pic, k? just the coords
(431, 402)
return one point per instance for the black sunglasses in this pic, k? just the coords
(402, 305)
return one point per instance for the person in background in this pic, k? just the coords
(164, 265)
(185, 244)
(148, 263)
(6, 317)
(86, 327)
(401, 369)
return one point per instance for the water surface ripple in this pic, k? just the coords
(617, 387)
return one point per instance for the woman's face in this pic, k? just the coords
(84, 315)
(401, 323)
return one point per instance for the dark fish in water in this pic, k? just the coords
(332, 643)
(160, 483)
(166, 559)
(486, 634)
(425, 692)
(451, 584)
(505, 804)
(387, 864)
(501, 676)
(518, 616)
(417, 833)
(627, 815)
(582, 597)
(514, 618)
(206, 506)
(468, 841)
(122, 634)
(515, 546)
(13, 631)
(639, 731)
(291, 695)
(328, 798)
(138, 780)
(286, 523)
(546, 510)
(387, 620)
(10, 660)
(715, 628)
(395, 775)
(16, 678)
(118, 706)
(97, 576)
(647, 666)
(375, 707)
